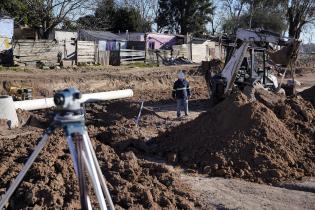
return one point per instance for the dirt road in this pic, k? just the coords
(222, 193)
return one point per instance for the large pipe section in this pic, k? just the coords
(7, 111)
(45, 103)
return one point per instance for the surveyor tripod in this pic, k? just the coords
(70, 117)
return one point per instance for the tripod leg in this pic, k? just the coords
(74, 155)
(85, 201)
(24, 170)
(99, 172)
(89, 163)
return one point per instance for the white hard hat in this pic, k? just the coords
(181, 75)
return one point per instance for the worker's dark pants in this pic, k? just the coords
(182, 103)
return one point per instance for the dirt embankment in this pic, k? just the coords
(148, 84)
(266, 141)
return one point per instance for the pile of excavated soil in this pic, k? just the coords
(134, 183)
(266, 141)
(309, 94)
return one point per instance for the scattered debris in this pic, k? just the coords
(176, 61)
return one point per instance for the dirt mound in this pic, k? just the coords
(134, 183)
(309, 94)
(3, 124)
(262, 141)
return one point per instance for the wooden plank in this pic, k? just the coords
(129, 50)
(131, 59)
(85, 46)
(85, 57)
(36, 59)
(124, 54)
(39, 48)
(86, 61)
(38, 56)
(85, 51)
(85, 54)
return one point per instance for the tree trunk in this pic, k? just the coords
(47, 33)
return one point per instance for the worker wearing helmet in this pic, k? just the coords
(181, 93)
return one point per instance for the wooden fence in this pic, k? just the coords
(30, 51)
(103, 58)
(128, 56)
(86, 52)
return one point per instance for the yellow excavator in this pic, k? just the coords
(17, 91)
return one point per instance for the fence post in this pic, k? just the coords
(76, 52)
(145, 47)
(119, 54)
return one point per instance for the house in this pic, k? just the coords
(163, 41)
(6, 35)
(107, 41)
(154, 41)
(133, 36)
(205, 50)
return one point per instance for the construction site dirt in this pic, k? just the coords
(265, 146)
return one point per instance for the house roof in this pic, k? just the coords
(103, 35)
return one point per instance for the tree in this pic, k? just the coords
(115, 17)
(104, 14)
(45, 14)
(267, 14)
(147, 9)
(128, 18)
(300, 13)
(48, 14)
(185, 16)
(16, 9)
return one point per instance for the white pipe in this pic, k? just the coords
(7, 111)
(90, 97)
(105, 96)
(34, 104)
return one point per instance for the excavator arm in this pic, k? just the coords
(245, 38)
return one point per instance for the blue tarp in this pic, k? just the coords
(6, 28)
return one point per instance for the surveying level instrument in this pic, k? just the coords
(70, 117)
